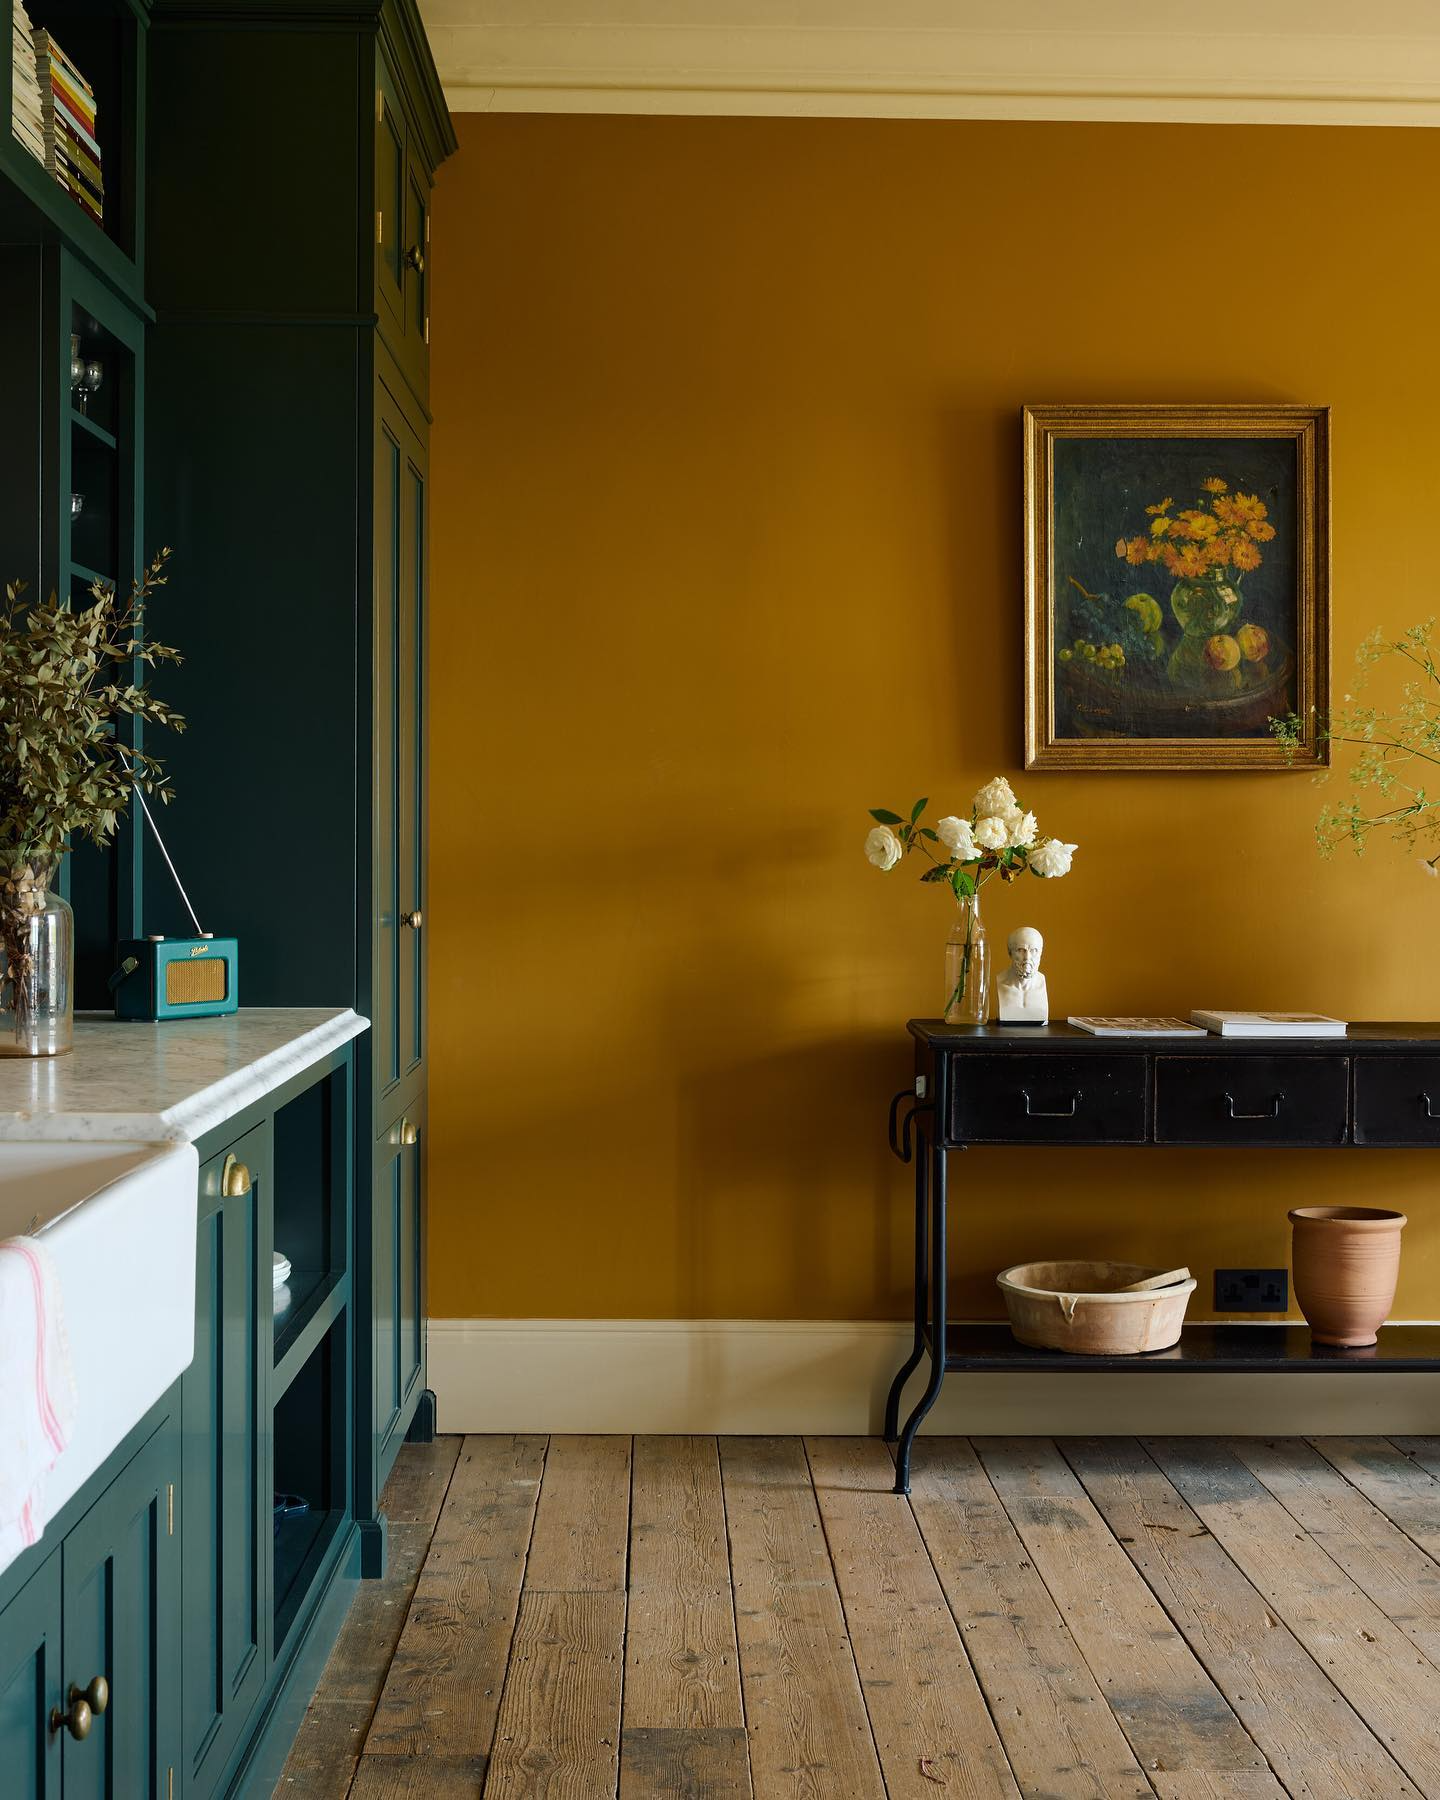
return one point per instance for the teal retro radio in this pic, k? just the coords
(176, 977)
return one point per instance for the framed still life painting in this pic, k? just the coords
(1177, 566)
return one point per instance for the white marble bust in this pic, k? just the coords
(1021, 987)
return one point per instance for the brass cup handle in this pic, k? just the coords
(412, 921)
(83, 1709)
(415, 257)
(409, 1134)
(234, 1178)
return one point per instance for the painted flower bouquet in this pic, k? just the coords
(1208, 549)
(998, 838)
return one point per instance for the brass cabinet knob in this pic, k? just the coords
(409, 1134)
(415, 258)
(76, 1719)
(96, 1696)
(234, 1178)
(412, 920)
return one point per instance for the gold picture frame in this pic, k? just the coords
(1209, 527)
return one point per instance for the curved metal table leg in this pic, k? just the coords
(917, 1351)
(937, 1320)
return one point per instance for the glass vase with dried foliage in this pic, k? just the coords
(70, 676)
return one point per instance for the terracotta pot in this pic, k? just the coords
(1345, 1260)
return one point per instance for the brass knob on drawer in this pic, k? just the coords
(234, 1178)
(412, 921)
(415, 258)
(409, 1134)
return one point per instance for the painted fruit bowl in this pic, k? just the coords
(1138, 703)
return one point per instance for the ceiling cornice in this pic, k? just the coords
(1301, 62)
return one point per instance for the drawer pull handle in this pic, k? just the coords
(1272, 1112)
(1053, 1112)
(235, 1180)
(1429, 1105)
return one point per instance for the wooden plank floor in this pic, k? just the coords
(685, 1618)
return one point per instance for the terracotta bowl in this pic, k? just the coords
(1073, 1306)
(1344, 1261)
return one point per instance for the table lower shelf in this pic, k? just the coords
(1203, 1349)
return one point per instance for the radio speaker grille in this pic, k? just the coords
(192, 983)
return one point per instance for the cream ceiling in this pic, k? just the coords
(1363, 62)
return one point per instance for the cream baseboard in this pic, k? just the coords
(829, 1377)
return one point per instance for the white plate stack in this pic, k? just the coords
(282, 1275)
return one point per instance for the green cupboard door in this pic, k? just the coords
(390, 197)
(398, 987)
(417, 274)
(397, 1237)
(225, 1481)
(121, 1568)
(30, 1686)
(410, 725)
(385, 922)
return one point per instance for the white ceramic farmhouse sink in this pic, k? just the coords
(119, 1223)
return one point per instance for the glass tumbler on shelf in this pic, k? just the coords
(37, 965)
(967, 967)
(77, 369)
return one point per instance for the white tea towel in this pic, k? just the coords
(37, 1389)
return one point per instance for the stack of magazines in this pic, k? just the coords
(67, 108)
(26, 119)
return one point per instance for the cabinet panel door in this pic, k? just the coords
(30, 1686)
(390, 196)
(397, 1001)
(121, 1568)
(398, 1239)
(416, 352)
(226, 1515)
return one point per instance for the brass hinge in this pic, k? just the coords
(427, 328)
(427, 231)
(170, 1783)
(379, 227)
(170, 1510)
(379, 107)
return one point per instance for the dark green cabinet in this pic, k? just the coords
(121, 1576)
(30, 1685)
(402, 228)
(398, 1280)
(398, 991)
(68, 512)
(305, 516)
(103, 1607)
(225, 1481)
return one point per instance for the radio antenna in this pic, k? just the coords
(199, 930)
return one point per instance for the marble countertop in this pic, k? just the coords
(165, 1083)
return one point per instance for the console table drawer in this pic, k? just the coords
(1047, 1099)
(1219, 1099)
(1397, 1100)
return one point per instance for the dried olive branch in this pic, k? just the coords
(65, 772)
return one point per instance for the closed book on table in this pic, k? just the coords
(1270, 1024)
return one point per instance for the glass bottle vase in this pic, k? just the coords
(37, 965)
(967, 967)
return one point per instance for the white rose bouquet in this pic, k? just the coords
(998, 838)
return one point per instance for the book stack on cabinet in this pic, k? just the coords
(27, 122)
(67, 106)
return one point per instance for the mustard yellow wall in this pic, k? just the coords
(727, 549)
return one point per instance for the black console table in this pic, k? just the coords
(1376, 1088)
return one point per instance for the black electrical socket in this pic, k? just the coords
(1252, 1290)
